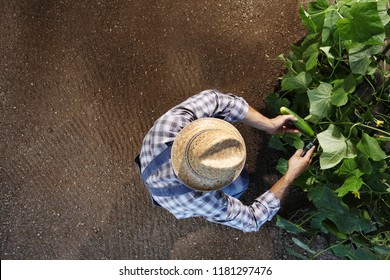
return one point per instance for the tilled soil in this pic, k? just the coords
(81, 82)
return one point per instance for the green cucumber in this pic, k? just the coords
(300, 124)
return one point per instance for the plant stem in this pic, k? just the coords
(369, 82)
(386, 49)
(328, 248)
(350, 130)
(323, 12)
(384, 201)
(374, 128)
(358, 100)
(357, 124)
(311, 216)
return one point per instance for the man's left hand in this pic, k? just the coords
(282, 124)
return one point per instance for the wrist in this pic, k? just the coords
(258, 121)
(288, 178)
(269, 127)
(281, 187)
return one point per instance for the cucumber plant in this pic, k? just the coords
(337, 77)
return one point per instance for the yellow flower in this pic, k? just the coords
(356, 194)
(379, 123)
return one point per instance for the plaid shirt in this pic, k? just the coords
(214, 206)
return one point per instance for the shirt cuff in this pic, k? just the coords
(270, 200)
(243, 108)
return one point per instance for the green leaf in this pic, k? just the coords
(274, 102)
(370, 147)
(352, 253)
(339, 96)
(331, 227)
(349, 83)
(379, 181)
(302, 245)
(282, 165)
(382, 11)
(320, 100)
(309, 48)
(311, 63)
(294, 139)
(276, 144)
(306, 19)
(361, 23)
(300, 81)
(364, 163)
(287, 62)
(329, 54)
(313, 48)
(318, 223)
(352, 184)
(330, 36)
(305, 180)
(333, 208)
(312, 118)
(300, 104)
(295, 254)
(335, 147)
(341, 88)
(361, 58)
(387, 30)
(294, 60)
(288, 226)
(316, 10)
(309, 45)
(296, 52)
(347, 167)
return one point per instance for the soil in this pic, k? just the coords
(81, 82)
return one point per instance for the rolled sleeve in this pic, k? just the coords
(212, 103)
(236, 107)
(270, 205)
(250, 218)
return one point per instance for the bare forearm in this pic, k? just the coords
(256, 120)
(272, 126)
(280, 188)
(296, 165)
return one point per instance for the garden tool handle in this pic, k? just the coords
(306, 148)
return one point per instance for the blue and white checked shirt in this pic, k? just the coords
(214, 206)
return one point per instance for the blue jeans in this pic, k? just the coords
(239, 186)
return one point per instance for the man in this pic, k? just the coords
(192, 161)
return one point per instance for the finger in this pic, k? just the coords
(291, 130)
(288, 124)
(310, 152)
(298, 152)
(289, 118)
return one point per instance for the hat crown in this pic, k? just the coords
(216, 154)
(208, 154)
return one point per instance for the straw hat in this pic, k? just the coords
(208, 154)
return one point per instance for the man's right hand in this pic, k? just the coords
(297, 164)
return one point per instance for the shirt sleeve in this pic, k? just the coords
(248, 218)
(212, 103)
(220, 208)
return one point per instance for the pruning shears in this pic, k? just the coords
(308, 146)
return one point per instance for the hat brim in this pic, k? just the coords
(180, 163)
